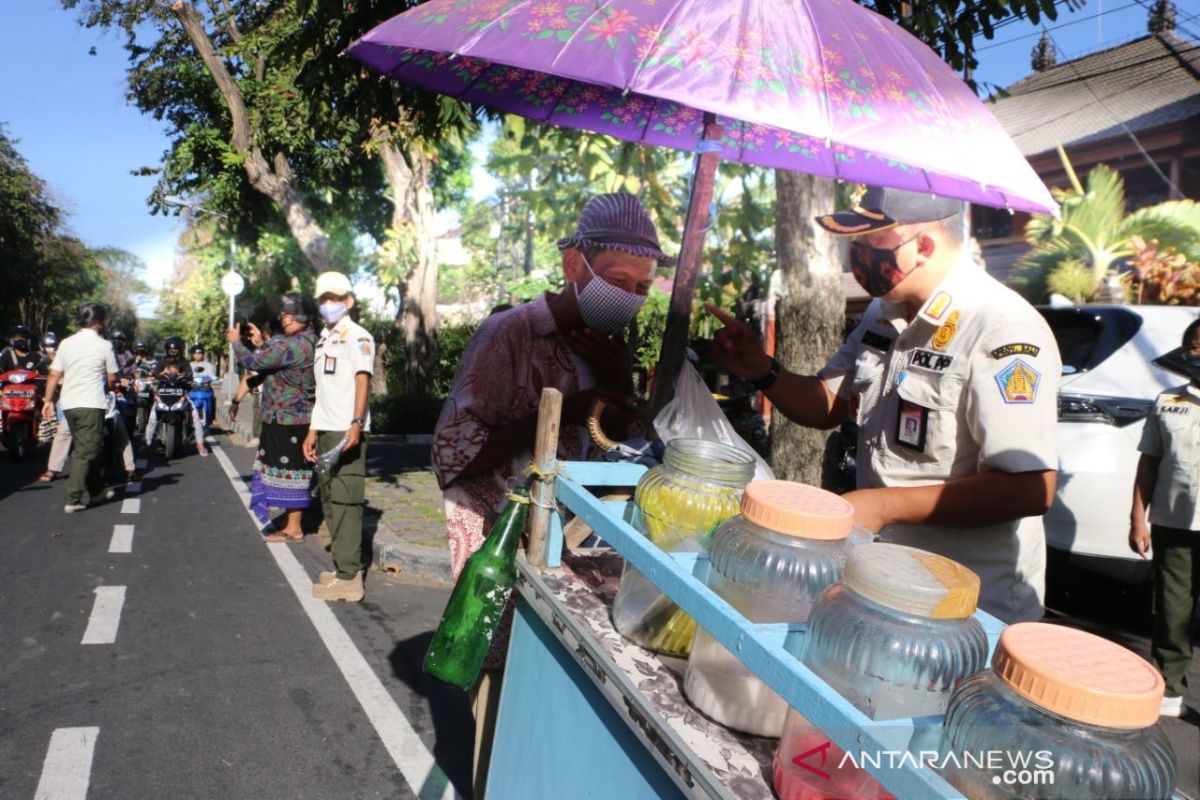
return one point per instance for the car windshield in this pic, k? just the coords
(1088, 336)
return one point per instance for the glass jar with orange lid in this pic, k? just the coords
(771, 562)
(894, 638)
(1061, 714)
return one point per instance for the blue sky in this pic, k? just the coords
(68, 111)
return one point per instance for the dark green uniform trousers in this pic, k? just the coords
(1176, 588)
(87, 467)
(343, 494)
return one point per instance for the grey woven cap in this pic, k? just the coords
(617, 221)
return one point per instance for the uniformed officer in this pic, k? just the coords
(1168, 481)
(953, 380)
(344, 360)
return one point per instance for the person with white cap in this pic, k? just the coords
(568, 340)
(344, 359)
(953, 381)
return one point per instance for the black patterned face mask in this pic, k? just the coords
(875, 268)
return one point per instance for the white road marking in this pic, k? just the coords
(141, 463)
(106, 615)
(131, 505)
(133, 487)
(122, 539)
(408, 752)
(67, 770)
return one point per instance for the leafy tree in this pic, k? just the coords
(1074, 253)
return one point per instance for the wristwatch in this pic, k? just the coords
(767, 381)
(359, 421)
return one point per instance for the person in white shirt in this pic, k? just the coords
(86, 368)
(343, 362)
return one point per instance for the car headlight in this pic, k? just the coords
(1119, 411)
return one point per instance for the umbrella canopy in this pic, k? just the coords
(824, 86)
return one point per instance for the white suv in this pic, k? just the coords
(1108, 388)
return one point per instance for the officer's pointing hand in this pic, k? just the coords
(736, 347)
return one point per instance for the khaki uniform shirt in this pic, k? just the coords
(1172, 434)
(970, 385)
(342, 352)
(85, 360)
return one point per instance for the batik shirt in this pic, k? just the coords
(969, 385)
(510, 359)
(286, 362)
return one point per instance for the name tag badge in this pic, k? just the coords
(911, 424)
(330, 365)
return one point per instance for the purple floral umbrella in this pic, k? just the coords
(821, 86)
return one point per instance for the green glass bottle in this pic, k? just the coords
(471, 617)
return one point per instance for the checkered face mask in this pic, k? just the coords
(604, 307)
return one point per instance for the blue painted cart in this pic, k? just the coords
(583, 713)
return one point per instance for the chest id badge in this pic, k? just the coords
(330, 365)
(911, 424)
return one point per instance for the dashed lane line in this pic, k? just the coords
(122, 539)
(408, 752)
(131, 505)
(67, 770)
(106, 615)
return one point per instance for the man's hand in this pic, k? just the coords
(736, 347)
(233, 335)
(256, 335)
(1139, 538)
(233, 409)
(869, 508)
(621, 408)
(609, 359)
(310, 446)
(353, 436)
(47, 409)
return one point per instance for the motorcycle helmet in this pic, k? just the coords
(118, 339)
(297, 306)
(50, 341)
(141, 349)
(173, 347)
(18, 337)
(196, 349)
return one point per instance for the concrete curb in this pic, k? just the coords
(394, 555)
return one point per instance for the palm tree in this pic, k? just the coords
(1073, 253)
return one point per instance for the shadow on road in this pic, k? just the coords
(450, 709)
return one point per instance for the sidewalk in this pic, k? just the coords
(404, 518)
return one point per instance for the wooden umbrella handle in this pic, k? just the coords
(595, 431)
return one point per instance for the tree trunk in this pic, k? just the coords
(810, 316)
(413, 214)
(273, 180)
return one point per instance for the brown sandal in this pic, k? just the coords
(47, 476)
(280, 536)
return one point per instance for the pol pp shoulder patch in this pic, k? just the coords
(1018, 382)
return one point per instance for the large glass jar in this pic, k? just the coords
(678, 504)
(770, 563)
(894, 638)
(1061, 714)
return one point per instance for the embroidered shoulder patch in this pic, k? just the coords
(1016, 349)
(1018, 382)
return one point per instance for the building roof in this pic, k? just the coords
(1142, 84)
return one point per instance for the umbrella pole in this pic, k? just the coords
(679, 316)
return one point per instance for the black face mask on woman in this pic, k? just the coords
(875, 268)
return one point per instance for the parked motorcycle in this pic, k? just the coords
(20, 404)
(172, 408)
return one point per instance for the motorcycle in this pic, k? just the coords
(111, 456)
(171, 406)
(201, 395)
(143, 389)
(20, 404)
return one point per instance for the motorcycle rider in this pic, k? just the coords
(172, 367)
(204, 375)
(49, 348)
(19, 353)
(173, 353)
(121, 351)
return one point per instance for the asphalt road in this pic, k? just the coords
(220, 681)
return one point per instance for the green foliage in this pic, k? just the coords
(1094, 233)
(651, 323)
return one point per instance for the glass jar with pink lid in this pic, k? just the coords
(771, 562)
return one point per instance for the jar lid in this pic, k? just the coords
(797, 509)
(1078, 675)
(912, 581)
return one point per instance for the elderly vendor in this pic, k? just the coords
(568, 340)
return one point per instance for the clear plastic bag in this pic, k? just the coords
(693, 413)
